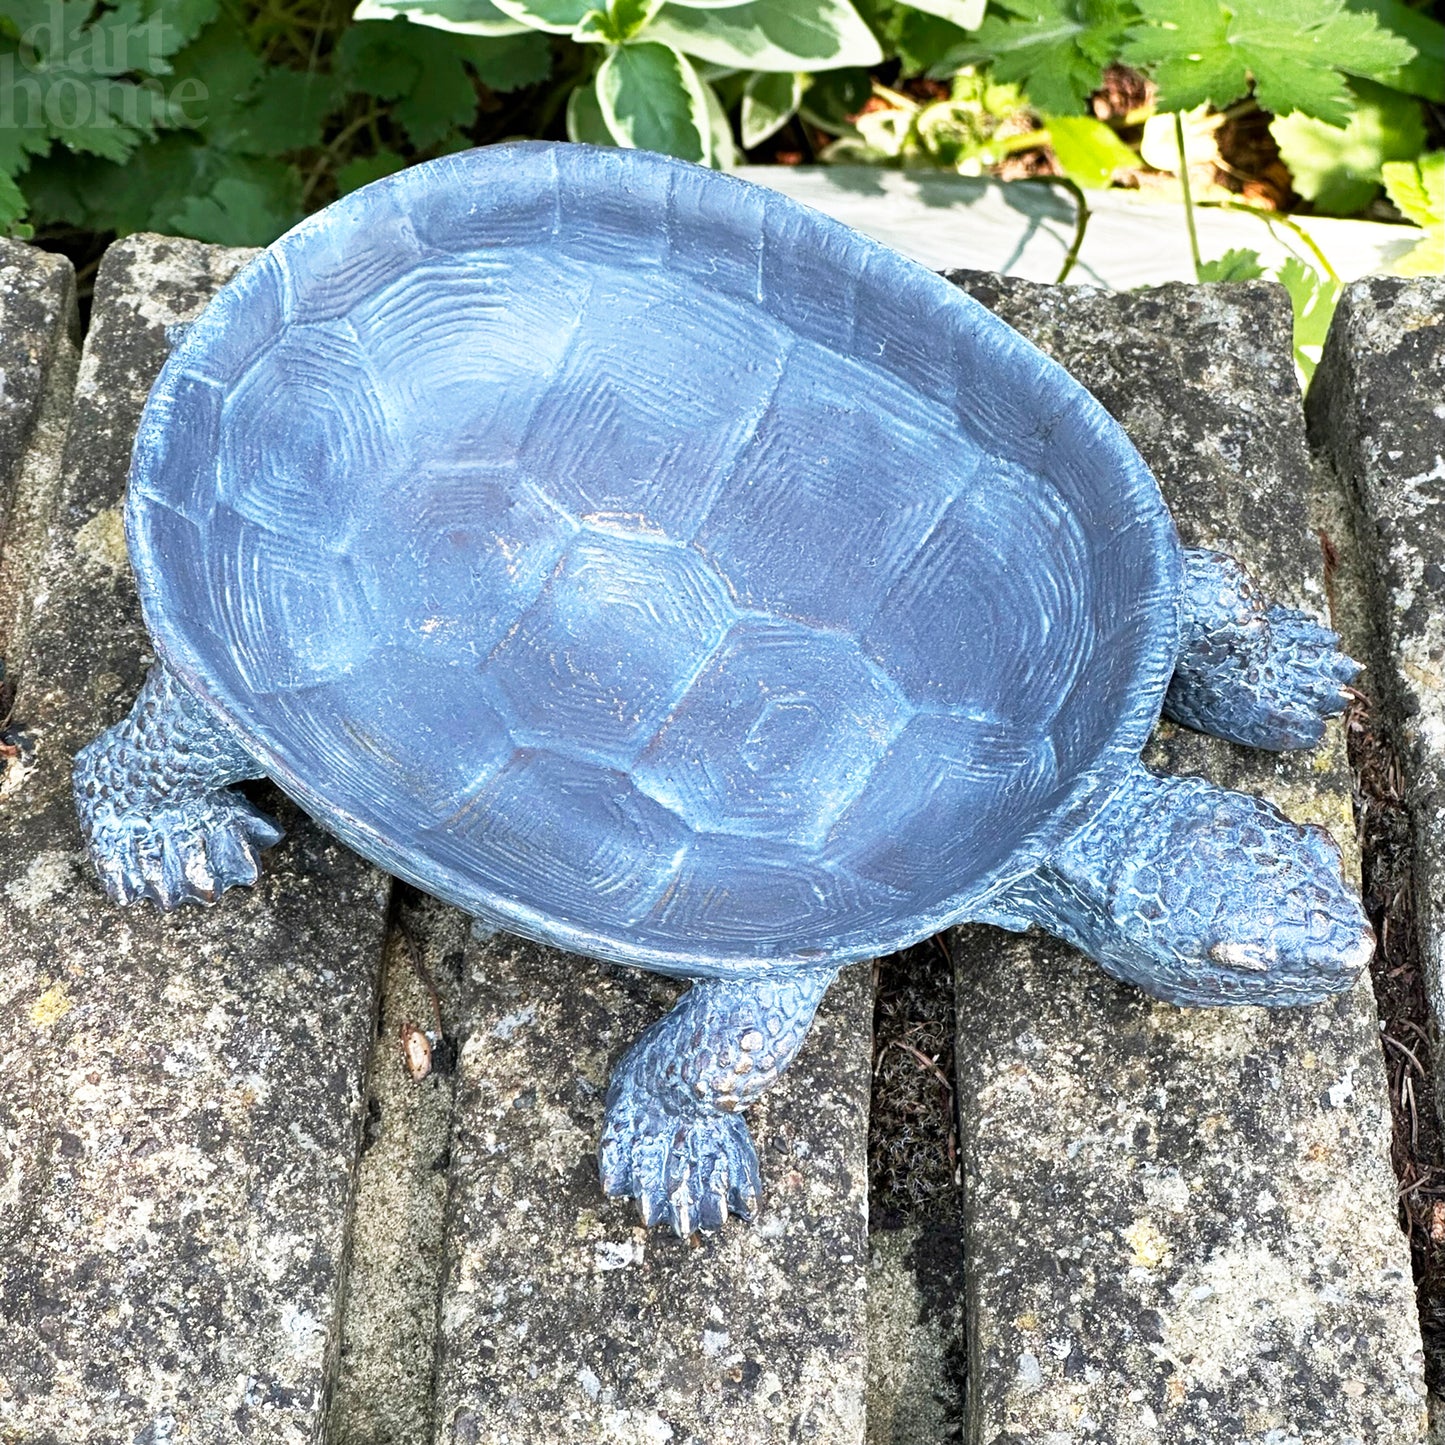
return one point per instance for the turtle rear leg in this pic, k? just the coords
(1265, 676)
(673, 1137)
(1200, 895)
(158, 817)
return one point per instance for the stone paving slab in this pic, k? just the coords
(562, 1318)
(38, 326)
(1181, 1224)
(1377, 414)
(181, 1109)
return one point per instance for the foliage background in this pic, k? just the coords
(227, 120)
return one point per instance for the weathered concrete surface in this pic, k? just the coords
(563, 1319)
(1182, 1223)
(181, 1109)
(384, 1379)
(38, 356)
(1377, 414)
(916, 1332)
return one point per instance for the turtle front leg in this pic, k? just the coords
(158, 818)
(673, 1137)
(1264, 676)
(1199, 895)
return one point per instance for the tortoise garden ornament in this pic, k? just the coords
(653, 567)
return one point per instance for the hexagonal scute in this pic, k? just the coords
(995, 611)
(777, 736)
(469, 345)
(953, 799)
(424, 730)
(611, 644)
(306, 440)
(180, 438)
(661, 392)
(454, 554)
(765, 899)
(290, 611)
(564, 838)
(845, 478)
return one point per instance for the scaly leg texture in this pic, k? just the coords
(1200, 896)
(1263, 676)
(158, 818)
(673, 1137)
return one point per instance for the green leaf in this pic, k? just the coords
(724, 149)
(652, 100)
(1314, 299)
(362, 170)
(509, 62)
(966, 14)
(1088, 150)
(420, 69)
(585, 121)
(921, 42)
(1339, 170)
(242, 209)
(770, 101)
(560, 17)
(1424, 75)
(1055, 49)
(771, 34)
(284, 112)
(12, 204)
(1418, 190)
(1295, 51)
(1236, 264)
(463, 17)
(834, 96)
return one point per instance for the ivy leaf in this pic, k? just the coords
(770, 101)
(1339, 169)
(585, 121)
(1237, 264)
(1055, 49)
(1088, 150)
(461, 17)
(651, 99)
(1314, 298)
(1202, 51)
(770, 34)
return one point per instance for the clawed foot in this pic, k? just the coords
(189, 852)
(684, 1169)
(1261, 676)
(1303, 679)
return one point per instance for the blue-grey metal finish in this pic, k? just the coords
(656, 568)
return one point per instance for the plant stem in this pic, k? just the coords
(1188, 198)
(1081, 224)
(1274, 218)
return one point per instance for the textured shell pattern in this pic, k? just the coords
(649, 564)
